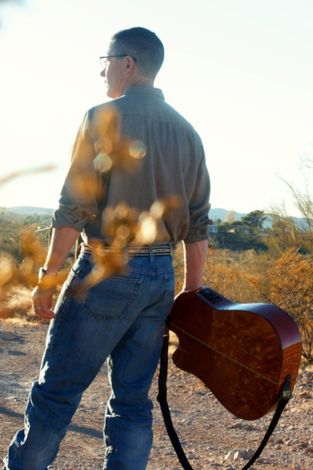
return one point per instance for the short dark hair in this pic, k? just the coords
(143, 45)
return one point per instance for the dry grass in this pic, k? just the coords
(17, 305)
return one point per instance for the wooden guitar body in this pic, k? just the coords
(242, 352)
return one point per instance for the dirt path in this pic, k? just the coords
(213, 438)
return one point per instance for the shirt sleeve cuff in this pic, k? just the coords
(197, 235)
(70, 217)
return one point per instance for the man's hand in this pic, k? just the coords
(184, 290)
(42, 302)
(62, 240)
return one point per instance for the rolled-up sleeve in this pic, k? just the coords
(199, 205)
(78, 199)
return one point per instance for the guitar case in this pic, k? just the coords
(248, 355)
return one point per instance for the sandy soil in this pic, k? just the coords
(212, 437)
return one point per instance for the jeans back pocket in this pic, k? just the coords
(111, 298)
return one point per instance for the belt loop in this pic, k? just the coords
(126, 255)
(151, 255)
(172, 250)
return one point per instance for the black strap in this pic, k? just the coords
(284, 397)
(162, 399)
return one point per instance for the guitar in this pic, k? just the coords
(242, 352)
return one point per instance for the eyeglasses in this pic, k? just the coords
(105, 59)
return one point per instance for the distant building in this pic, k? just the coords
(213, 229)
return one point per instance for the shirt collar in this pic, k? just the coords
(144, 89)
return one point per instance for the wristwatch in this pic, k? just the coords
(47, 283)
(41, 273)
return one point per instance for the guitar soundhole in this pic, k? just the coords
(211, 296)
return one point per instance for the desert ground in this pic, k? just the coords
(212, 437)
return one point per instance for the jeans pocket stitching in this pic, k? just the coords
(122, 314)
(169, 290)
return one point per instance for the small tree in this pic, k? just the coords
(254, 219)
(284, 234)
(291, 288)
(304, 202)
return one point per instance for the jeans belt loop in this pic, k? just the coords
(151, 255)
(126, 255)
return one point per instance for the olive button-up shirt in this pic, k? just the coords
(136, 149)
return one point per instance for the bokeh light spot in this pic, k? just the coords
(137, 149)
(102, 163)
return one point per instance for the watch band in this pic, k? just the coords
(41, 273)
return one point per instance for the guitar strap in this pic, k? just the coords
(284, 397)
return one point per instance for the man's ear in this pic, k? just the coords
(130, 63)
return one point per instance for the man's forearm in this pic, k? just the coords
(62, 241)
(195, 257)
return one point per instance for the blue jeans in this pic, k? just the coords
(122, 320)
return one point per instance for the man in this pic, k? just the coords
(122, 317)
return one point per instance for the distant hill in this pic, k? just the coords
(215, 213)
(28, 210)
(218, 213)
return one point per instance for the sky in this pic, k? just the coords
(241, 71)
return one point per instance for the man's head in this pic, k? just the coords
(135, 57)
